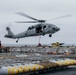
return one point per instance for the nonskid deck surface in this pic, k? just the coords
(32, 61)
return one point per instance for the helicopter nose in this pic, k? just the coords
(57, 29)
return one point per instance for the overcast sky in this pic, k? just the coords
(40, 9)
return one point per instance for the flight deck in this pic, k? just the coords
(33, 60)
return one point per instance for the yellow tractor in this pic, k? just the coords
(57, 44)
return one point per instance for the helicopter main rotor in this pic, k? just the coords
(35, 20)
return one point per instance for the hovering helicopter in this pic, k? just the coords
(41, 28)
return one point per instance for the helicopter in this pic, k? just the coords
(41, 28)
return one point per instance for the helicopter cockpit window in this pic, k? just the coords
(44, 27)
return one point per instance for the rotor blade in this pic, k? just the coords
(64, 16)
(20, 13)
(26, 22)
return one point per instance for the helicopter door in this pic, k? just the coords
(38, 29)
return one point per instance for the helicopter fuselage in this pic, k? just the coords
(39, 29)
(34, 30)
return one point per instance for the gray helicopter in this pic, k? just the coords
(41, 28)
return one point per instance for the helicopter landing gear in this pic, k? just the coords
(50, 35)
(17, 40)
(43, 34)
